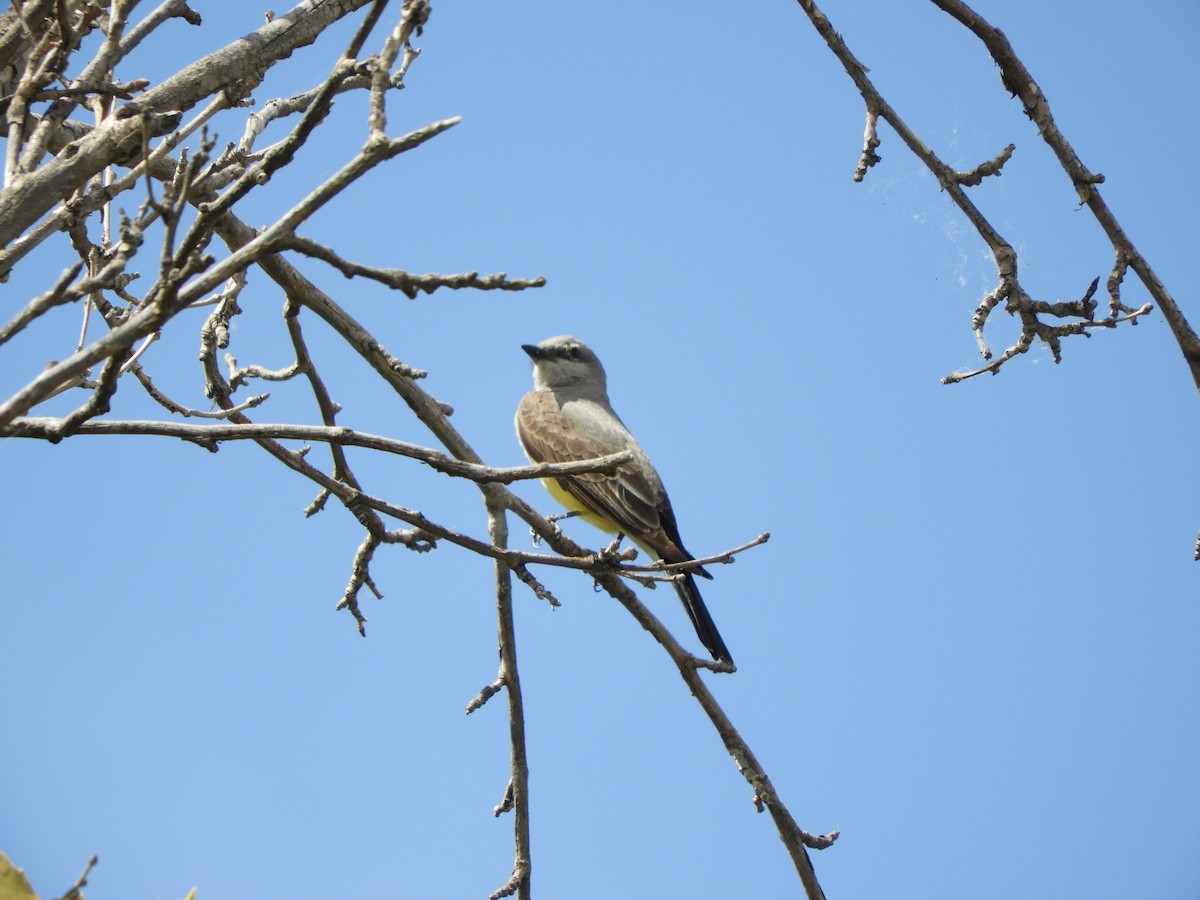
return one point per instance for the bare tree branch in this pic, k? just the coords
(60, 179)
(794, 838)
(519, 882)
(236, 68)
(1009, 290)
(1019, 82)
(209, 436)
(406, 282)
(75, 891)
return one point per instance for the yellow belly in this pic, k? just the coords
(602, 522)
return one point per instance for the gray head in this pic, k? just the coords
(563, 362)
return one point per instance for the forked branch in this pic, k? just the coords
(1009, 292)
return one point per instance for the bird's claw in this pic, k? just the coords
(554, 529)
(613, 555)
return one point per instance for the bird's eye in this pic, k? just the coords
(573, 352)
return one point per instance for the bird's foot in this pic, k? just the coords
(555, 530)
(613, 555)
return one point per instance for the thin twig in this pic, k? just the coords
(1017, 79)
(1016, 300)
(75, 891)
(45, 428)
(406, 282)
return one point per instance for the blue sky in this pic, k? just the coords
(970, 643)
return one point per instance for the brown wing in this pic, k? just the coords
(633, 499)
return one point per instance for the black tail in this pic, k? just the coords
(706, 629)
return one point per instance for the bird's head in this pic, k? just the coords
(564, 361)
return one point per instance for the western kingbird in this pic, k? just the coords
(567, 417)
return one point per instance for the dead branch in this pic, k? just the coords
(1017, 79)
(209, 436)
(518, 789)
(406, 282)
(1009, 291)
(240, 65)
(60, 177)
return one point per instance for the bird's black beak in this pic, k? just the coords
(535, 352)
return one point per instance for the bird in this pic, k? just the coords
(566, 417)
